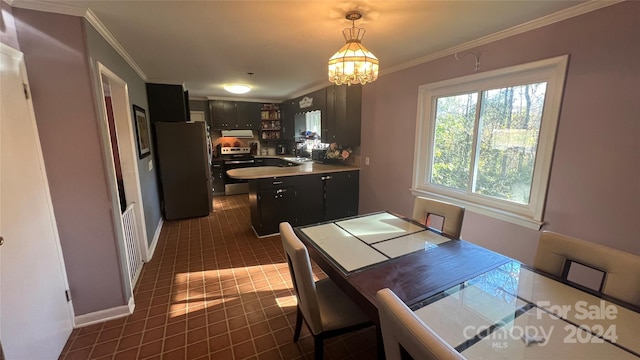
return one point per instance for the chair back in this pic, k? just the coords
(452, 214)
(622, 270)
(403, 330)
(302, 276)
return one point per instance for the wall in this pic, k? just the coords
(100, 50)
(201, 105)
(594, 190)
(66, 114)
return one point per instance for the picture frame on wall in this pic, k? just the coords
(142, 131)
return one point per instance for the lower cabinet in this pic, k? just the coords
(217, 175)
(302, 199)
(340, 195)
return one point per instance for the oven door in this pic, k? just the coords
(236, 186)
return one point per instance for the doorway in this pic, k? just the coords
(125, 181)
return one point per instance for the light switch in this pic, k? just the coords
(366, 160)
(150, 165)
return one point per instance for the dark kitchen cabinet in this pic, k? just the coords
(217, 175)
(311, 199)
(343, 116)
(287, 114)
(233, 115)
(248, 115)
(279, 199)
(302, 200)
(340, 194)
(167, 103)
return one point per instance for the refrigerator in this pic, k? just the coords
(183, 167)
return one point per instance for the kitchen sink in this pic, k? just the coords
(298, 159)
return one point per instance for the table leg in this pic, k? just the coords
(379, 343)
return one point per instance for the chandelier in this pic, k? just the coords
(353, 63)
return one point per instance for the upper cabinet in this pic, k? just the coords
(287, 114)
(232, 115)
(343, 116)
(248, 115)
(167, 103)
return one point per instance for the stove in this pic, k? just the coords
(236, 152)
(236, 158)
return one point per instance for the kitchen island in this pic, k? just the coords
(304, 192)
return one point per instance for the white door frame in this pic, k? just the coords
(127, 148)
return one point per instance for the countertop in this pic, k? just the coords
(304, 168)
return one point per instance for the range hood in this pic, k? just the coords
(245, 134)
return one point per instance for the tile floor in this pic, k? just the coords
(213, 290)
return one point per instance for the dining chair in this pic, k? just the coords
(556, 253)
(452, 215)
(404, 332)
(326, 310)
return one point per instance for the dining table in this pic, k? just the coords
(484, 304)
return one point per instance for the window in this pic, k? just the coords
(485, 141)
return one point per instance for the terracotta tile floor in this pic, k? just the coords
(213, 290)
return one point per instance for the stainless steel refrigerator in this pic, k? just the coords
(183, 165)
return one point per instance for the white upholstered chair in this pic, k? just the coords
(402, 331)
(452, 215)
(325, 309)
(622, 270)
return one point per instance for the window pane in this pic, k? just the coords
(453, 140)
(509, 129)
(313, 121)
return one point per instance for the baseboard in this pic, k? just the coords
(104, 315)
(154, 242)
(263, 236)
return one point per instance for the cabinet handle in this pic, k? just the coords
(280, 191)
(277, 182)
(326, 178)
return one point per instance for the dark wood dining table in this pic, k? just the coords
(458, 287)
(434, 264)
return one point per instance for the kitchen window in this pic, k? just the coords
(485, 141)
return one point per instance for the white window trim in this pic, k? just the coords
(552, 71)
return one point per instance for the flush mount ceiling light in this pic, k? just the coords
(353, 63)
(238, 88)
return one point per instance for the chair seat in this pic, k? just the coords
(336, 309)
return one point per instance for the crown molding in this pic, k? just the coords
(573, 11)
(64, 9)
(231, 98)
(106, 34)
(568, 13)
(48, 6)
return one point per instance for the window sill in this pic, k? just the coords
(499, 214)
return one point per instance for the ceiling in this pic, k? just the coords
(286, 44)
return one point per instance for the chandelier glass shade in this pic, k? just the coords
(353, 63)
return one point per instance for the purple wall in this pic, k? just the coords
(62, 92)
(594, 190)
